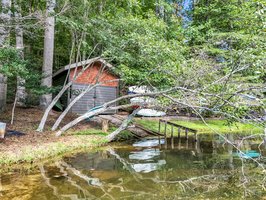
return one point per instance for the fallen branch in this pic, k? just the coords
(123, 126)
(105, 107)
(51, 105)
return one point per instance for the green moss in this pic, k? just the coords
(220, 126)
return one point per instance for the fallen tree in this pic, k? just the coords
(58, 96)
(108, 106)
(123, 126)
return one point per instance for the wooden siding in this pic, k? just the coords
(96, 97)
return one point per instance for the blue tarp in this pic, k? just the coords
(248, 154)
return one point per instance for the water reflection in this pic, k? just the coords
(146, 170)
(148, 157)
(149, 143)
(146, 154)
(148, 167)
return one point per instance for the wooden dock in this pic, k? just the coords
(180, 128)
(137, 130)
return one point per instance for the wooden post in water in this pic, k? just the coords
(172, 137)
(179, 143)
(165, 138)
(179, 130)
(159, 132)
(186, 134)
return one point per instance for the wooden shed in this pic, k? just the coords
(96, 68)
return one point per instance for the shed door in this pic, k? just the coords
(96, 97)
(105, 94)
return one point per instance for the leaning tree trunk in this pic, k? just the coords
(4, 34)
(63, 114)
(21, 91)
(50, 106)
(5, 19)
(47, 69)
(123, 126)
(57, 97)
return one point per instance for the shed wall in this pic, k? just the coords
(96, 97)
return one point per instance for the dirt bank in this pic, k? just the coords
(32, 146)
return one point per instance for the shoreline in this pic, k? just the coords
(17, 152)
(28, 158)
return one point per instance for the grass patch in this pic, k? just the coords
(124, 135)
(30, 154)
(90, 131)
(33, 154)
(220, 126)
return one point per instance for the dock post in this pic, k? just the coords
(196, 136)
(165, 138)
(186, 134)
(172, 137)
(179, 130)
(159, 132)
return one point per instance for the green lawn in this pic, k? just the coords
(219, 125)
(124, 135)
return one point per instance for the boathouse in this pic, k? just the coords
(83, 74)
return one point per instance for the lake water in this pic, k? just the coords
(206, 169)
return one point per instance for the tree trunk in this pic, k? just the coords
(53, 102)
(63, 114)
(5, 19)
(21, 91)
(47, 69)
(50, 106)
(107, 105)
(3, 89)
(4, 34)
(79, 119)
(123, 126)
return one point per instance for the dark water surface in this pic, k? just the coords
(206, 169)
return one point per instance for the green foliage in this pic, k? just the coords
(140, 48)
(148, 45)
(232, 32)
(11, 63)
